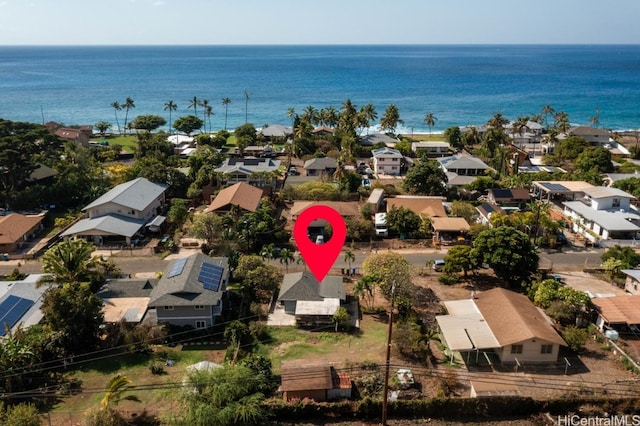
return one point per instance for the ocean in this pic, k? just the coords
(460, 85)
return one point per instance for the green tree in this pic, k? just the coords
(148, 123)
(365, 288)
(116, 388)
(247, 95)
(71, 261)
(286, 257)
(341, 317)
(570, 148)
(391, 119)
(626, 255)
(509, 252)
(612, 267)
(426, 178)
(226, 396)
(126, 106)
(403, 221)
(22, 414)
(630, 185)
(459, 258)
(465, 210)
(102, 126)
(547, 111)
(194, 103)
(207, 227)
(225, 103)
(258, 279)
(188, 124)
(392, 269)
(236, 334)
(575, 338)
(453, 135)
(117, 107)
(430, 120)
(73, 313)
(594, 159)
(561, 122)
(349, 257)
(170, 106)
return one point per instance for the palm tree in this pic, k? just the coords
(193, 103)
(547, 110)
(391, 118)
(116, 387)
(208, 112)
(70, 261)
(310, 114)
(117, 107)
(472, 136)
(286, 257)
(300, 260)
(246, 106)
(204, 104)
(349, 256)
(226, 102)
(561, 122)
(520, 126)
(128, 104)
(329, 116)
(498, 121)
(366, 115)
(595, 119)
(170, 106)
(430, 120)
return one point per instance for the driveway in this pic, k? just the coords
(586, 282)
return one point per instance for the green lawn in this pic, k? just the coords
(128, 142)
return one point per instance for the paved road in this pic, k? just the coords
(559, 261)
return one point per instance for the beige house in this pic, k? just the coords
(499, 322)
(241, 194)
(387, 161)
(632, 283)
(17, 229)
(420, 205)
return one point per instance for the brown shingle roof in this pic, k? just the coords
(15, 225)
(345, 208)
(299, 377)
(619, 310)
(449, 224)
(432, 207)
(243, 195)
(513, 318)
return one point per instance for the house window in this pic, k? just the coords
(199, 307)
(201, 324)
(168, 308)
(615, 202)
(516, 349)
(546, 349)
(394, 159)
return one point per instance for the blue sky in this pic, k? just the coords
(88, 22)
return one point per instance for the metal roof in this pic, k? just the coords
(136, 194)
(611, 220)
(111, 224)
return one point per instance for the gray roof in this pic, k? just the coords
(26, 289)
(136, 194)
(634, 273)
(604, 191)
(304, 286)
(376, 138)
(614, 177)
(111, 224)
(387, 152)
(184, 289)
(611, 220)
(276, 130)
(320, 163)
(454, 179)
(127, 287)
(463, 162)
(248, 165)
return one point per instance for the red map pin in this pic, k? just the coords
(320, 257)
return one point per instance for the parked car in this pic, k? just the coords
(366, 183)
(438, 265)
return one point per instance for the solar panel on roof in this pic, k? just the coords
(210, 276)
(554, 186)
(11, 310)
(177, 267)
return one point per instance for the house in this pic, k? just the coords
(617, 312)
(121, 212)
(377, 138)
(431, 148)
(604, 213)
(241, 195)
(429, 206)
(20, 303)
(312, 303)
(559, 189)
(191, 290)
(255, 171)
(500, 323)
(42, 175)
(345, 208)
(126, 300)
(80, 134)
(515, 197)
(463, 165)
(593, 135)
(486, 210)
(387, 161)
(449, 229)
(275, 131)
(16, 229)
(317, 382)
(632, 282)
(323, 131)
(325, 166)
(532, 133)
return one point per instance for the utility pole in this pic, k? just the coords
(385, 391)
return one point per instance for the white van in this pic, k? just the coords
(381, 225)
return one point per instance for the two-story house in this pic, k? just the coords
(604, 213)
(258, 172)
(431, 148)
(387, 161)
(593, 135)
(191, 290)
(120, 213)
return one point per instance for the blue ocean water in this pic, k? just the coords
(460, 85)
